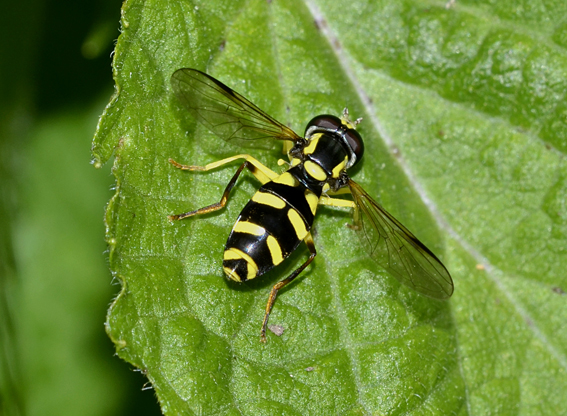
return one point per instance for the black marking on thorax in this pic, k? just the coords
(328, 153)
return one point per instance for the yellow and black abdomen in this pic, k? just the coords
(269, 228)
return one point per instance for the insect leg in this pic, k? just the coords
(287, 145)
(260, 171)
(218, 205)
(341, 203)
(274, 292)
(345, 190)
(336, 202)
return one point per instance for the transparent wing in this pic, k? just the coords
(396, 249)
(223, 111)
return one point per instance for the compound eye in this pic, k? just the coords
(324, 122)
(355, 142)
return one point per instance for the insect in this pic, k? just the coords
(280, 214)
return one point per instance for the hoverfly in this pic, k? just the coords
(280, 214)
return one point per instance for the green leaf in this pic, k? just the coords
(465, 131)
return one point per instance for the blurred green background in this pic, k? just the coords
(55, 79)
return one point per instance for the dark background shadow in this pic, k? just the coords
(55, 285)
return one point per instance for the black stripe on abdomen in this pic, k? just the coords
(293, 195)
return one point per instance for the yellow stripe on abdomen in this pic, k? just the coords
(288, 179)
(236, 254)
(312, 200)
(298, 223)
(266, 198)
(275, 250)
(247, 227)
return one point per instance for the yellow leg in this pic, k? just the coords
(341, 203)
(344, 190)
(274, 292)
(260, 171)
(287, 145)
(336, 202)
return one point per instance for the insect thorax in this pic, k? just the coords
(321, 159)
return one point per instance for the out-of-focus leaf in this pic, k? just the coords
(62, 284)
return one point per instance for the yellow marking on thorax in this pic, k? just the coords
(312, 144)
(287, 178)
(275, 250)
(339, 168)
(312, 200)
(297, 223)
(315, 171)
(247, 227)
(295, 161)
(236, 254)
(326, 188)
(266, 198)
